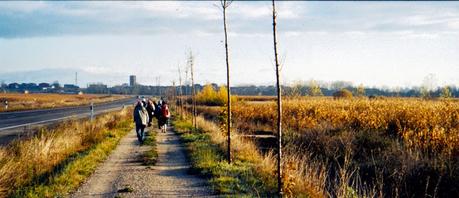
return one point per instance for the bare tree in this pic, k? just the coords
(445, 92)
(180, 92)
(186, 81)
(429, 85)
(314, 89)
(225, 4)
(279, 107)
(193, 91)
(174, 94)
(361, 90)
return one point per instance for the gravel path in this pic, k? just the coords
(168, 178)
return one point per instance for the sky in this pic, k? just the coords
(395, 44)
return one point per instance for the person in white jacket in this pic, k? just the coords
(141, 121)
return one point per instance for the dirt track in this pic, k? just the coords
(168, 178)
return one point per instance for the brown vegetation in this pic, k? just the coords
(252, 173)
(33, 161)
(343, 93)
(18, 101)
(384, 147)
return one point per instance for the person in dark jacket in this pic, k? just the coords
(151, 111)
(141, 121)
(157, 113)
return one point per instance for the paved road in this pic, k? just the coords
(13, 123)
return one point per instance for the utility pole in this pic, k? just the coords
(225, 4)
(76, 78)
(279, 108)
(91, 108)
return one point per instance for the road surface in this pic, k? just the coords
(168, 178)
(13, 124)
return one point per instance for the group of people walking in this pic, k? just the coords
(144, 111)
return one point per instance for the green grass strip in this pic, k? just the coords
(150, 157)
(208, 159)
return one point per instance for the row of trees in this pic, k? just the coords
(313, 89)
(337, 89)
(224, 5)
(208, 91)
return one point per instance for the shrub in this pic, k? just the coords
(343, 93)
(208, 96)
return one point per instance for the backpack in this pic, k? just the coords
(165, 111)
(158, 111)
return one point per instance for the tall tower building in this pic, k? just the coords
(132, 80)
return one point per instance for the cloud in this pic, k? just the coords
(22, 7)
(75, 18)
(34, 19)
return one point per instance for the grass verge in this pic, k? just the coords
(150, 157)
(56, 162)
(248, 175)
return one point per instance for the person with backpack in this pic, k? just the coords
(151, 111)
(157, 113)
(165, 115)
(141, 121)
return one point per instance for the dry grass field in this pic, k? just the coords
(18, 101)
(391, 147)
(57, 160)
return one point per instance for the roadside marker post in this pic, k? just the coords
(92, 110)
(6, 104)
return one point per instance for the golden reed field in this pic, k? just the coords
(17, 101)
(421, 123)
(389, 147)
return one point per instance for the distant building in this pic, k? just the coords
(44, 85)
(132, 80)
(69, 88)
(98, 88)
(13, 86)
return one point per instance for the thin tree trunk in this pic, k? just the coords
(279, 108)
(174, 94)
(180, 92)
(187, 92)
(193, 91)
(225, 4)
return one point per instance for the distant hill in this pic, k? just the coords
(64, 76)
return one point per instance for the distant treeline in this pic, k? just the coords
(305, 91)
(293, 90)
